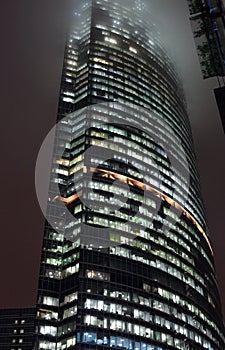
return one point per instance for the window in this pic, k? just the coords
(98, 275)
(70, 342)
(46, 345)
(91, 320)
(70, 312)
(48, 330)
(71, 297)
(110, 40)
(147, 287)
(132, 49)
(49, 301)
(47, 314)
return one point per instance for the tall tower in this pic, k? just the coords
(127, 260)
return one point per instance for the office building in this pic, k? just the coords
(127, 260)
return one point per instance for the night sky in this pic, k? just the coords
(32, 47)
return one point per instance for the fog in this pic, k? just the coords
(32, 42)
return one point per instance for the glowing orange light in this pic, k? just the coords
(141, 185)
(132, 182)
(71, 198)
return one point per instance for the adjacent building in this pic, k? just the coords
(17, 328)
(208, 22)
(127, 261)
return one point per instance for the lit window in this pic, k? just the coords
(47, 314)
(47, 345)
(69, 298)
(70, 312)
(110, 40)
(50, 301)
(146, 287)
(69, 100)
(97, 275)
(132, 49)
(91, 320)
(48, 330)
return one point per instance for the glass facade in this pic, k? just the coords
(135, 273)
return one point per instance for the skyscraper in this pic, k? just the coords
(127, 260)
